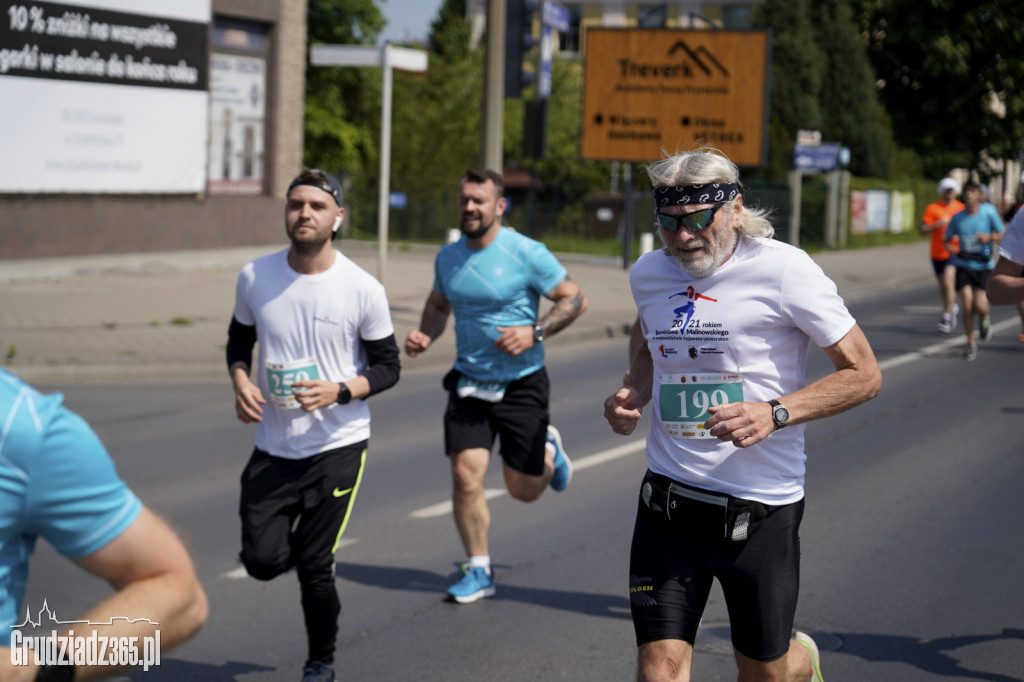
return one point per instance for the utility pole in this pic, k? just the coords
(492, 130)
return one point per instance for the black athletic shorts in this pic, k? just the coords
(972, 278)
(672, 566)
(939, 266)
(520, 419)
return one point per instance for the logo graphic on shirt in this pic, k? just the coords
(326, 320)
(685, 311)
(92, 649)
(666, 351)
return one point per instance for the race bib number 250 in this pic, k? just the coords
(684, 401)
(281, 376)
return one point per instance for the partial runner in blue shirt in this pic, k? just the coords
(493, 279)
(978, 229)
(58, 482)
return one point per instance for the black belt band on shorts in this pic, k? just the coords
(723, 516)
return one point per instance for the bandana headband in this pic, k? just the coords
(695, 194)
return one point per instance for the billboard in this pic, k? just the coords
(104, 96)
(648, 89)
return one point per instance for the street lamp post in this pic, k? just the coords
(387, 57)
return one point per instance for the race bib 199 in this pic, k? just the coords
(281, 376)
(684, 400)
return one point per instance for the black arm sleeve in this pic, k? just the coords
(384, 364)
(241, 339)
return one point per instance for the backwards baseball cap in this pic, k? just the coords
(947, 184)
(314, 177)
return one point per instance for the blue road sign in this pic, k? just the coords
(821, 157)
(556, 16)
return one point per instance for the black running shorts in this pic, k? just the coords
(520, 419)
(672, 567)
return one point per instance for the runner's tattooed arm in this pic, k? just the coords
(570, 303)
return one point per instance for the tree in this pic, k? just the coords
(851, 111)
(822, 80)
(342, 104)
(950, 75)
(798, 70)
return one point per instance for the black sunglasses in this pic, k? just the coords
(694, 222)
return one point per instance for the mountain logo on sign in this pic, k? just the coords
(701, 57)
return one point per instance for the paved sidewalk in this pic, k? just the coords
(164, 316)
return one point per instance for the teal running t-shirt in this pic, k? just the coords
(497, 286)
(56, 481)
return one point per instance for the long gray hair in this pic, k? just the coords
(703, 166)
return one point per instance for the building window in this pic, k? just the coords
(238, 105)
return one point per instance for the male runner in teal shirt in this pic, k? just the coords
(492, 279)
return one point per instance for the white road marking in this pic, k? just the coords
(444, 508)
(957, 339)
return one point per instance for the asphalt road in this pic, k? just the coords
(911, 546)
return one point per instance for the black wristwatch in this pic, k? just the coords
(780, 415)
(344, 395)
(538, 333)
(56, 673)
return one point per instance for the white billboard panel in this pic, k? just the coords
(94, 100)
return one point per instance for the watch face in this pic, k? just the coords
(781, 415)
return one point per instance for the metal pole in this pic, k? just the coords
(795, 192)
(491, 132)
(628, 210)
(385, 165)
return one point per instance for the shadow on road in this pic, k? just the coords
(931, 656)
(418, 580)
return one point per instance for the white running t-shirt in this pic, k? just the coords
(1012, 245)
(741, 333)
(320, 317)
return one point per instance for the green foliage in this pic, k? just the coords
(450, 32)
(941, 65)
(822, 80)
(850, 106)
(561, 170)
(342, 103)
(798, 70)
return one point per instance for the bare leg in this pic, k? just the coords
(967, 303)
(526, 488)
(667, 660)
(795, 666)
(472, 517)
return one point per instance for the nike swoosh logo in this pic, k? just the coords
(341, 493)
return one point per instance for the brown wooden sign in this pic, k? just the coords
(651, 89)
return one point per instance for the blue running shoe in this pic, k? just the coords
(476, 584)
(315, 671)
(563, 465)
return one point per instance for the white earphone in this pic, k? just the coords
(337, 224)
